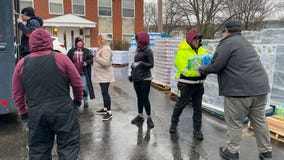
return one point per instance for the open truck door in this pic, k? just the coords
(7, 55)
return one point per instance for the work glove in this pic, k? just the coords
(76, 103)
(206, 60)
(24, 117)
(130, 78)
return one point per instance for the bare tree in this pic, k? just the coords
(150, 16)
(204, 13)
(251, 13)
(174, 17)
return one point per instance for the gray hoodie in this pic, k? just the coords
(239, 69)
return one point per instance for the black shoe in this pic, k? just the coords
(150, 123)
(107, 116)
(226, 154)
(173, 128)
(137, 120)
(197, 134)
(86, 105)
(265, 156)
(102, 111)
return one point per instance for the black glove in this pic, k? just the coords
(76, 103)
(24, 117)
(130, 78)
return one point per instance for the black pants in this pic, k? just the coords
(105, 94)
(187, 91)
(142, 89)
(50, 119)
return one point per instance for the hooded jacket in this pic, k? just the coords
(185, 53)
(32, 24)
(103, 70)
(41, 45)
(239, 69)
(88, 59)
(144, 57)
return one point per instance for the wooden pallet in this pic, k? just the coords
(120, 65)
(276, 127)
(160, 87)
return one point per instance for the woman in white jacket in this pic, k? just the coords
(103, 73)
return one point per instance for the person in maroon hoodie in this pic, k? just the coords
(83, 60)
(40, 87)
(141, 77)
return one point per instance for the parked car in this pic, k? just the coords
(58, 46)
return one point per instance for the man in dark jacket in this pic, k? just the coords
(244, 83)
(33, 22)
(41, 92)
(83, 60)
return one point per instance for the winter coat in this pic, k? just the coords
(184, 53)
(32, 24)
(87, 57)
(144, 58)
(239, 69)
(41, 45)
(103, 70)
(143, 70)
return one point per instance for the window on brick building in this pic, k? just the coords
(128, 8)
(26, 3)
(104, 7)
(55, 6)
(78, 7)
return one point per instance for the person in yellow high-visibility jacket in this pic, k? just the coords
(190, 84)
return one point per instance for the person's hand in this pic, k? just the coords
(19, 20)
(84, 64)
(130, 78)
(76, 103)
(24, 117)
(134, 65)
(206, 60)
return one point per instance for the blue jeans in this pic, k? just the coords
(86, 91)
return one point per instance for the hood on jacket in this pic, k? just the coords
(142, 40)
(78, 39)
(40, 40)
(39, 19)
(105, 39)
(191, 34)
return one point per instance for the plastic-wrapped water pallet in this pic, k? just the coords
(164, 53)
(120, 57)
(152, 36)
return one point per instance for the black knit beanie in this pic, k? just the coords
(28, 11)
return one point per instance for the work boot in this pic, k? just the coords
(198, 134)
(150, 123)
(265, 156)
(137, 120)
(173, 128)
(226, 154)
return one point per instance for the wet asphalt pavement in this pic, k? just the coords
(118, 139)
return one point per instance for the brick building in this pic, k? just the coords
(67, 19)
